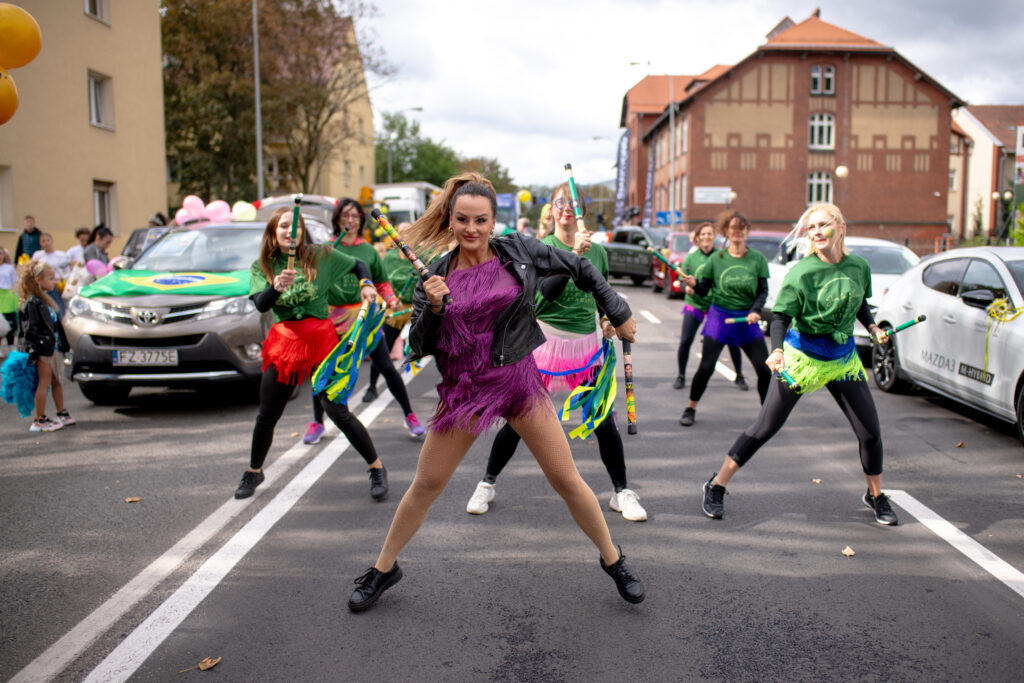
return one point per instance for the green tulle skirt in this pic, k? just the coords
(812, 374)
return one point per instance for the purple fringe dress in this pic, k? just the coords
(474, 394)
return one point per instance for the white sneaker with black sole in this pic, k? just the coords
(628, 503)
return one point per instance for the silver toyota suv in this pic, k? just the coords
(179, 317)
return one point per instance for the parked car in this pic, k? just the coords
(888, 261)
(627, 251)
(970, 347)
(180, 317)
(316, 211)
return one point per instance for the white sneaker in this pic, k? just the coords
(45, 424)
(628, 503)
(480, 502)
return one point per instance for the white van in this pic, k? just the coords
(405, 201)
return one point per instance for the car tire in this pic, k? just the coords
(105, 394)
(1020, 415)
(885, 366)
(654, 286)
(638, 280)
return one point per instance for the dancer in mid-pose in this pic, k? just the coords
(569, 322)
(482, 341)
(301, 338)
(822, 296)
(737, 278)
(347, 220)
(695, 307)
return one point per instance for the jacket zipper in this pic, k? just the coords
(504, 333)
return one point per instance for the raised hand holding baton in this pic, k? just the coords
(577, 208)
(679, 270)
(397, 239)
(295, 226)
(899, 328)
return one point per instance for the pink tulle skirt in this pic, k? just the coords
(566, 351)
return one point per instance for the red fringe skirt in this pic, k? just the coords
(297, 347)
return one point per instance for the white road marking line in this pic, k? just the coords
(974, 551)
(721, 369)
(650, 316)
(59, 655)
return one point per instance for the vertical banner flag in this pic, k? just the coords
(649, 193)
(622, 179)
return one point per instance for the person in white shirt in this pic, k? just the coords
(59, 261)
(76, 252)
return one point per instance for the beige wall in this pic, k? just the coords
(981, 164)
(50, 154)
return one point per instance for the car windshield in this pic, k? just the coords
(680, 243)
(769, 246)
(1016, 269)
(886, 260)
(658, 236)
(206, 250)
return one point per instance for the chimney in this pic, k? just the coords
(817, 13)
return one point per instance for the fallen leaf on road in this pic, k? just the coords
(208, 663)
(133, 499)
(960, 445)
(848, 551)
(294, 434)
(816, 481)
(387, 419)
(1020, 476)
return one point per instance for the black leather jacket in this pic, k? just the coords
(40, 335)
(516, 332)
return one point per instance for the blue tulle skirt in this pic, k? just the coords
(18, 383)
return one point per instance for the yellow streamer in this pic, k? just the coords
(999, 311)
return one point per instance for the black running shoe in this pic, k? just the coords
(689, 415)
(371, 395)
(378, 482)
(679, 383)
(713, 501)
(371, 585)
(741, 383)
(250, 480)
(880, 506)
(629, 585)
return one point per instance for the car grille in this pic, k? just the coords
(175, 314)
(148, 342)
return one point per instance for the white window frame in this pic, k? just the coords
(682, 191)
(815, 79)
(828, 84)
(952, 180)
(686, 130)
(101, 100)
(101, 204)
(97, 9)
(821, 132)
(819, 187)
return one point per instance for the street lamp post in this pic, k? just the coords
(1005, 198)
(391, 139)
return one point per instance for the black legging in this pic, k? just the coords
(757, 352)
(690, 327)
(273, 398)
(390, 335)
(380, 358)
(609, 443)
(854, 399)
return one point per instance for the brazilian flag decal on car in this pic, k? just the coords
(139, 282)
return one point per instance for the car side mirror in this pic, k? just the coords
(643, 243)
(978, 298)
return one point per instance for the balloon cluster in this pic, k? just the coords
(20, 40)
(194, 212)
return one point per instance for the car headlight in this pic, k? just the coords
(87, 308)
(239, 305)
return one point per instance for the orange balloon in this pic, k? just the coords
(20, 37)
(8, 97)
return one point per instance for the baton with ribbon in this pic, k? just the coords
(899, 328)
(295, 226)
(397, 239)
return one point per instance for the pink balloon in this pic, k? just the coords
(181, 216)
(194, 205)
(217, 211)
(96, 267)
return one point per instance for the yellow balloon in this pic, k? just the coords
(243, 211)
(525, 196)
(20, 38)
(8, 97)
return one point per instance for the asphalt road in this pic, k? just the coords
(90, 584)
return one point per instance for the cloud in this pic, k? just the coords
(533, 83)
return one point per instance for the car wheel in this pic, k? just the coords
(638, 280)
(885, 367)
(1020, 415)
(654, 286)
(105, 394)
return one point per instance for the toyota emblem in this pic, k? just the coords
(147, 318)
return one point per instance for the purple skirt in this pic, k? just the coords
(725, 333)
(694, 313)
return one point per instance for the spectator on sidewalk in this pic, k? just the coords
(59, 261)
(28, 241)
(98, 243)
(76, 253)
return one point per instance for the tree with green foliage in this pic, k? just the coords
(412, 156)
(492, 170)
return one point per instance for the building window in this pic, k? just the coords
(952, 180)
(823, 80)
(100, 100)
(348, 173)
(821, 130)
(819, 187)
(101, 192)
(362, 134)
(682, 191)
(954, 144)
(97, 9)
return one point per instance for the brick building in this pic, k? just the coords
(775, 128)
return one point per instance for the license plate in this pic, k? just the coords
(145, 357)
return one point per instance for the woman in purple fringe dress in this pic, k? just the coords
(482, 341)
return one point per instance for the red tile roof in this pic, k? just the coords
(815, 33)
(1001, 120)
(651, 95)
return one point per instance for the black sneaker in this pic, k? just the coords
(679, 383)
(371, 585)
(250, 480)
(378, 482)
(630, 587)
(880, 506)
(713, 501)
(741, 383)
(689, 415)
(371, 395)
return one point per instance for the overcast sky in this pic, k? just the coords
(536, 84)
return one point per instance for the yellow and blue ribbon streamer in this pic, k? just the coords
(595, 398)
(337, 374)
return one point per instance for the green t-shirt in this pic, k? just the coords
(575, 310)
(695, 264)
(823, 298)
(735, 279)
(347, 288)
(401, 274)
(304, 299)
